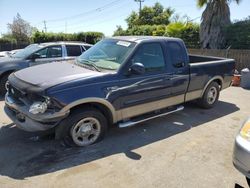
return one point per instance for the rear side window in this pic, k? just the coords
(87, 47)
(73, 50)
(176, 53)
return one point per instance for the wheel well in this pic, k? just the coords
(102, 108)
(218, 81)
(6, 73)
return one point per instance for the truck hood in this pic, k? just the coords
(47, 75)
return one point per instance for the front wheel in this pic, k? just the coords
(3, 81)
(248, 181)
(83, 128)
(210, 96)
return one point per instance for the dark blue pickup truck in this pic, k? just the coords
(120, 80)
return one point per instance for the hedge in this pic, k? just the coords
(89, 37)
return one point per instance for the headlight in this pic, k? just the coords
(245, 130)
(39, 107)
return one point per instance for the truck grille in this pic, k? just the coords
(15, 93)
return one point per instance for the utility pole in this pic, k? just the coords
(140, 3)
(45, 27)
(66, 26)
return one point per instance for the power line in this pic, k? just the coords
(84, 13)
(88, 20)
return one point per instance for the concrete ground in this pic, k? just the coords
(192, 148)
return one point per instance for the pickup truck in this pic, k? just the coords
(36, 54)
(121, 80)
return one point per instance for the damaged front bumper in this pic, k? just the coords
(27, 121)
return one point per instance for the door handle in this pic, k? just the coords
(178, 72)
(169, 77)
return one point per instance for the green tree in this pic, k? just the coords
(119, 31)
(189, 32)
(214, 18)
(20, 29)
(155, 15)
(238, 34)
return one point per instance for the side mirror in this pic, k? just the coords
(137, 68)
(34, 56)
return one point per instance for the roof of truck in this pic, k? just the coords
(138, 39)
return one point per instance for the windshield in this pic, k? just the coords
(107, 54)
(27, 51)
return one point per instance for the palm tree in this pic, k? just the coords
(215, 16)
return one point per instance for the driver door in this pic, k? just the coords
(149, 91)
(47, 55)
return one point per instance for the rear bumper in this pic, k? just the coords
(23, 119)
(241, 156)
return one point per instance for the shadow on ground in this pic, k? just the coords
(22, 155)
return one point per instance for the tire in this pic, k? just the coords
(248, 181)
(3, 81)
(210, 96)
(82, 128)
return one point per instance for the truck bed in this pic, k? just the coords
(203, 59)
(202, 69)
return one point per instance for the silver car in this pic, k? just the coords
(241, 153)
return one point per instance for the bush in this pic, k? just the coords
(238, 35)
(188, 32)
(89, 37)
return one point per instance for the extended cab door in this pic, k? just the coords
(150, 91)
(47, 55)
(178, 60)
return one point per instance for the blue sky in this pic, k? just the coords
(94, 15)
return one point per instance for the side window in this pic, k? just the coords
(175, 53)
(54, 51)
(73, 50)
(87, 47)
(42, 53)
(50, 52)
(151, 56)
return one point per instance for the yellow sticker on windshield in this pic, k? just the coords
(123, 43)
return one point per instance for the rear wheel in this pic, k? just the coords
(210, 96)
(3, 81)
(83, 128)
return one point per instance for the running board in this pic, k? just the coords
(143, 118)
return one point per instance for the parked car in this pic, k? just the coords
(12, 52)
(36, 54)
(121, 81)
(241, 154)
(4, 54)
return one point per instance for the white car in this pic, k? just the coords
(241, 154)
(4, 54)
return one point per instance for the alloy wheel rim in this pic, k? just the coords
(86, 131)
(212, 95)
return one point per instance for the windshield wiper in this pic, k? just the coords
(89, 64)
(111, 59)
